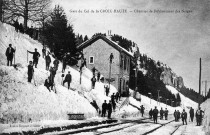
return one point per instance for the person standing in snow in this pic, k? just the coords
(191, 114)
(166, 114)
(30, 71)
(184, 117)
(109, 109)
(155, 114)
(199, 116)
(93, 70)
(98, 76)
(52, 74)
(175, 115)
(56, 63)
(9, 53)
(150, 113)
(36, 56)
(47, 83)
(104, 108)
(178, 115)
(117, 96)
(142, 110)
(48, 61)
(93, 80)
(43, 52)
(113, 101)
(67, 79)
(161, 113)
(106, 90)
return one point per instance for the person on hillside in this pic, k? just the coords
(150, 113)
(104, 108)
(109, 109)
(161, 113)
(48, 61)
(191, 114)
(52, 75)
(36, 56)
(30, 71)
(184, 117)
(94, 104)
(98, 76)
(43, 52)
(9, 53)
(166, 114)
(21, 29)
(93, 70)
(199, 114)
(56, 63)
(155, 114)
(68, 79)
(142, 110)
(48, 84)
(16, 25)
(106, 90)
(93, 80)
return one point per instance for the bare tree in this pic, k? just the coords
(27, 9)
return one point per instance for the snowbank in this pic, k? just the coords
(206, 120)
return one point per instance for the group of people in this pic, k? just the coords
(107, 108)
(94, 78)
(162, 114)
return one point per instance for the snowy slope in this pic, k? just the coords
(185, 101)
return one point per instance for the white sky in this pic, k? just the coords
(176, 39)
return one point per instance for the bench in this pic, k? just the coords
(78, 116)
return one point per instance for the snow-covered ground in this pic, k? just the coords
(21, 102)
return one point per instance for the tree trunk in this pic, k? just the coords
(26, 15)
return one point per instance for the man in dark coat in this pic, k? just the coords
(142, 110)
(30, 71)
(36, 56)
(9, 53)
(184, 117)
(98, 76)
(56, 63)
(113, 101)
(93, 80)
(166, 114)
(106, 90)
(150, 113)
(109, 109)
(47, 83)
(199, 115)
(104, 108)
(175, 115)
(52, 75)
(161, 113)
(178, 115)
(67, 79)
(191, 114)
(48, 61)
(155, 114)
(43, 52)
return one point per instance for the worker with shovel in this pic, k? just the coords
(9, 53)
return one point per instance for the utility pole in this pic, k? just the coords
(158, 97)
(110, 61)
(199, 81)
(206, 82)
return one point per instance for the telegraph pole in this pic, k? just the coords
(200, 81)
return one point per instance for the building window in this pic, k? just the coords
(91, 60)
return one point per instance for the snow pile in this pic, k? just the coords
(206, 120)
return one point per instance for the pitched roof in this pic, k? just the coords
(107, 40)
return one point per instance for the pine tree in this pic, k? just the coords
(59, 34)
